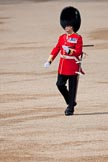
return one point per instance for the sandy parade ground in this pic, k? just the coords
(33, 127)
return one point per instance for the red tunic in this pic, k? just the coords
(68, 66)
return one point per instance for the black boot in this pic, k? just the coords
(69, 111)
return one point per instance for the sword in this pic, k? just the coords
(86, 45)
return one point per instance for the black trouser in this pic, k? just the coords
(69, 93)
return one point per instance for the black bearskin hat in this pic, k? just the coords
(70, 16)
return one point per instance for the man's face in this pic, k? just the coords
(69, 29)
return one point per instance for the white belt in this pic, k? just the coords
(70, 57)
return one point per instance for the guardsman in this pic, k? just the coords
(69, 46)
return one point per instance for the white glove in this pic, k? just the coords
(66, 48)
(47, 64)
